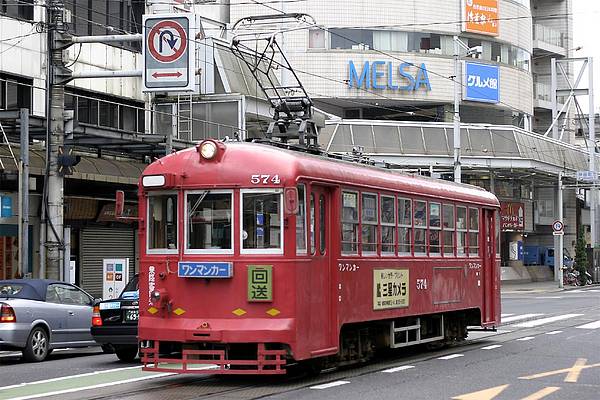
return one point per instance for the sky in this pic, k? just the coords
(586, 33)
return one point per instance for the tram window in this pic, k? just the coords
(435, 223)
(349, 223)
(388, 224)
(448, 223)
(497, 219)
(209, 223)
(262, 217)
(473, 231)
(162, 222)
(301, 221)
(404, 225)
(313, 233)
(461, 227)
(369, 223)
(420, 218)
(322, 225)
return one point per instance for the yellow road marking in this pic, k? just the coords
(572, 373)
(542, 393)
(486, 394)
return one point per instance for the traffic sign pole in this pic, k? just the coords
(559, 252)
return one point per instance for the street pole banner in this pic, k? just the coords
(168, 53)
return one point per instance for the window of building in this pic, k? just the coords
(316, 39)
(357, 39)
(404, 226)
(369, 223)
(448, 222)
(209, 223)
(461, 230)
(388, 225)
(301, 221)
(473, 231)
(435, 224)
(21, 9)
(162, 222)
(15, 92)
(262, 219)
(349, 223)
(420, 220)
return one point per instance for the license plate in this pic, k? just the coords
(132, 315)
(115, 305)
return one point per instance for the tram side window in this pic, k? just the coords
(209, 221)
(404, 225)
(322, 225)
(313, 233)
(162, 222)
(473, 231)
(420, 217)
(349, 223)
(301, 221)
(461, 230)
(448, 222)
(435, 225)
(261, 220)
(497, 219)
(369, 223)
(388, 225)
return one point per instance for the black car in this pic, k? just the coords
(114, 322)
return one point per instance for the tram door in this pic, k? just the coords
(320, 278)
(489, 267)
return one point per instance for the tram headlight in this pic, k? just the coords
(208, 149)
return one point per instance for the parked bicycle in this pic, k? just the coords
(571, 276)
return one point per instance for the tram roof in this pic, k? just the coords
(241, 160)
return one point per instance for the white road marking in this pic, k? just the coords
(553, 333)
(492, 347)
(538, 322)
(396, 369)
(505, 315)
(329, 385)
(591, 325)
(548, 297)
(526, 338)
(62, 378)
(519, 317)
(451, 356)
(102, 385)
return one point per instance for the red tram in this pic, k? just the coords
(254, 257)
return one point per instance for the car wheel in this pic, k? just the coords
(37, 346)
(127, 354)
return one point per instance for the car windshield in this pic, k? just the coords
(10, 289)
(131, 290)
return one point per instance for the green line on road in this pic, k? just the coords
(76, 383)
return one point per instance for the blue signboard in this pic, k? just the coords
(6, 207)
(482, 82)
(205, 269)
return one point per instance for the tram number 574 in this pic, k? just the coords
(264, 179)
(421, 284)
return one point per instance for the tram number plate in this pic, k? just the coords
(132, 315)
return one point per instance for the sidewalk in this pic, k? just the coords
(537, 287)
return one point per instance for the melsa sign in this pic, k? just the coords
(384, 75)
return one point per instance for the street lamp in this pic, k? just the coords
(457, 90)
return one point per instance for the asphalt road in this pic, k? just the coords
(547, 348)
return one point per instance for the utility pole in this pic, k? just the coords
(456, 120)
(592, 147)
(55, 199)
(23, 266)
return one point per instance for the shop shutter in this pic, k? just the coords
(97, 244)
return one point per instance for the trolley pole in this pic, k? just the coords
(55, 141)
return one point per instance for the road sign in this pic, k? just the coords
(558, 226)
(587, 176)
(168, 49)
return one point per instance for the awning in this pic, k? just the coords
(89, 168)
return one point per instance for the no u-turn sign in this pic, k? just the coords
(168, 61)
